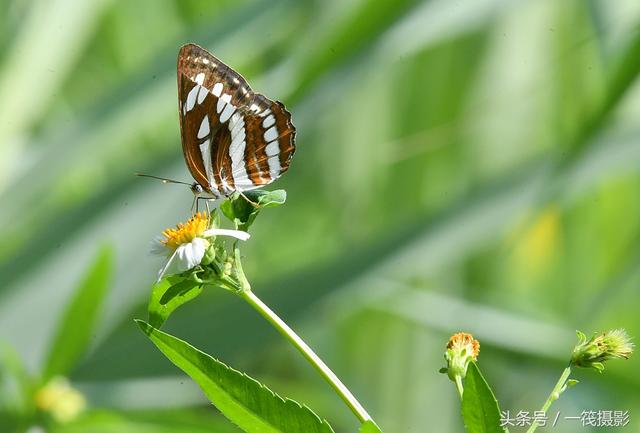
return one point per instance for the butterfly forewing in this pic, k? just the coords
(233, 139)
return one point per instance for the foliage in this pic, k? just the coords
(245, 401)
(479, 406)
(369, 427)
(480, 159)
(22, 396)
(243, 211)
(168, 294)
(80, 319)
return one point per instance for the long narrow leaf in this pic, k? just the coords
(78, 322)
(153, 421)
(246, 402)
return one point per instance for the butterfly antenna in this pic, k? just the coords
(163, 179)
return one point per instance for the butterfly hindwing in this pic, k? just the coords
(268, 147)
(233, 139)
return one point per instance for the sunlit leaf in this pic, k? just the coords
(243, 209)
(245, 401)
(168, 294)
(369, 427)
(479, 406)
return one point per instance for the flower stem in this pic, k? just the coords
(308, 353)
(555, 394)
(459, 386)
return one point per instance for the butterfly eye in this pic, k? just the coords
(196, 188)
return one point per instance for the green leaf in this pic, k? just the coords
(168, 294)
(572, 382)
(243, 212)
(243, 400)
(16, 387)
(78, 321)
(479, 406)
(369, 427)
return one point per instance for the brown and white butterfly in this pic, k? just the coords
(233, 139)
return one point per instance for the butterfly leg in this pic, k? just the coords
(248, 199)
(194, 205)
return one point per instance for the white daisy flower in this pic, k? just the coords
(186, 244)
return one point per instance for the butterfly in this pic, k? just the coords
(233, 139)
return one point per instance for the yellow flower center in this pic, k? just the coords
(186, 232)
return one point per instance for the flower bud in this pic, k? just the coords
(594, 352)
(228, 268)
(209, 255)
(461, 349)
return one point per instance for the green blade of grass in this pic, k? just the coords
(78, 321)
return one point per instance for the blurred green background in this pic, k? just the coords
(462, 165)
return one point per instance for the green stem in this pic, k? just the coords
(308, 353)
(555, 394)
(459, 386)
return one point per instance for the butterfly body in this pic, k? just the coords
(233, 139)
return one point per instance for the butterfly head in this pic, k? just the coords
(196, 189)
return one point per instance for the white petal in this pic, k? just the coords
(165, 268)
(190, 255)
(181, 258)
(199, 246)
(238, 234)
(157, 247)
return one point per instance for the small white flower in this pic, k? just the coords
(188, 242)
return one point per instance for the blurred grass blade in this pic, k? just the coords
(77, 323)
(369, 427)
(494, 326)
(624, 73)
(16, 389)
(353, 34)
(41, 47)
(245, 401)
(155, 421)
(479, 406)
